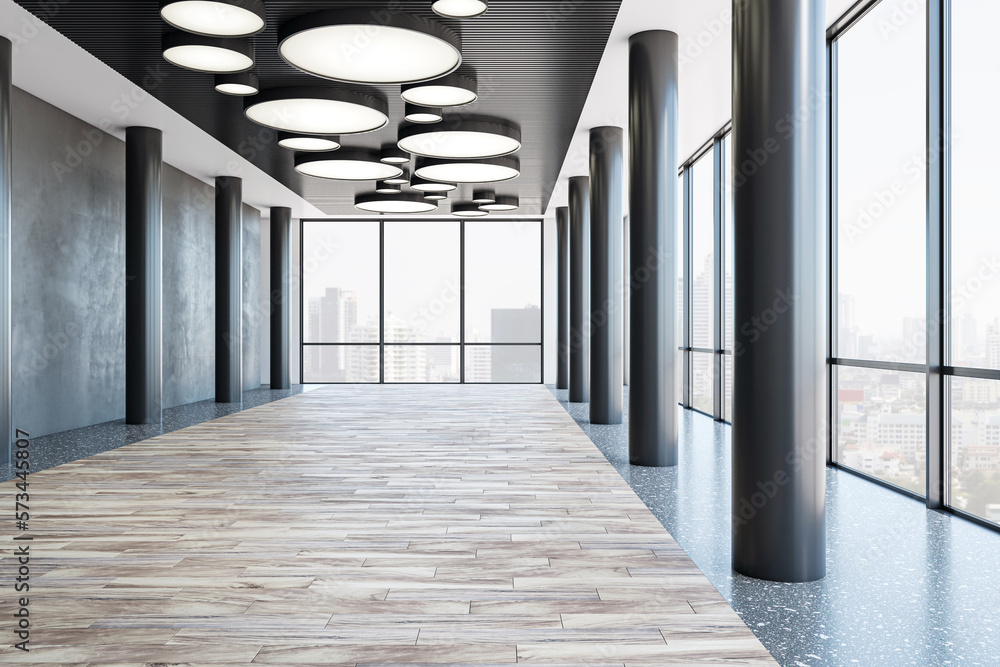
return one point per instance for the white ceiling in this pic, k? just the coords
(705, 31)
(56, 70)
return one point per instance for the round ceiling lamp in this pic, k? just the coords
(317, 110)
(219, 55)
(502, 203)
(460, 9)
(347, 164)
(407, 202)
(467, 209)
(422, 115)
(387, 188)
(241, 84)
(484, 196)
(461, 139)
(491, 170)
(362, 46)
(424, 185)
(453, 90)
(436, 196)
(393, 154)
(308, 143)
(402, 179)
(219, 18)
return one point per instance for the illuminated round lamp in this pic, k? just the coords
(218, 18)
(503, 203)
(387, 188)
(424, 185)
(406, 202)
(347, 164)
(460, 9)
(484, 196)
(240, 84)
(308, 143)
(393, 154)
(218, 55)
(491, 170)
(368, 46)
(461, 139)
(415, 113)
(467, 209)
(453, 90)
(402, 179)
(436, 196)
(317, 110)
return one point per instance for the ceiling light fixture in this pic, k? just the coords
(460, 9)
(317, 110)
(241, 84)
(452, 90)
(393, 154)
(503, 203)
(347, 164)
(218, 18)
(407, 202)
(415, 113)
(436, 196)
(484, 196)
(308, 143)
(402, 179)
(424, 185)
(491, 170)
(467, 209)
(387, 188)
(219, 55)
(370, 46)
(461, 139)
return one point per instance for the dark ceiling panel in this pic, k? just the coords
(535, 61)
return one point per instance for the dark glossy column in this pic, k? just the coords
(281, 267)
(6, 253)
(562, 230)
(228, 289)
(779, 393)
(607, 377)
(626, 347)
(144, 269)
(579, 289)
(653, 197)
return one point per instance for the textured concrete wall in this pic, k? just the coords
(68, 271)
(188, 289)
(254, 317)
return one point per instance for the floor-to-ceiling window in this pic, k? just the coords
(417, 301)
(880, 246)
(702, 289)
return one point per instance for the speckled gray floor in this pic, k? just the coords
(905, 586)
(53, 450)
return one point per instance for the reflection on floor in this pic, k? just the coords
(389, 525)
(905, 586)
(53, 450)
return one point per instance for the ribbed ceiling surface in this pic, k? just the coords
(535, 63)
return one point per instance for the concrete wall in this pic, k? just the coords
(69, 277)
(188, 289)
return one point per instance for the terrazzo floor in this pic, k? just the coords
(905, 585)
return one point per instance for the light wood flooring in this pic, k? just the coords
(362, 526)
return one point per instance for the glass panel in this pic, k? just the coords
(422, 363)
(701, 381)
(503, 282)
(423, 284)
(975, 234)
(975, 447)
(727, 365)
(882, 424)
(728, 244)
(703, 252)
(679, 372)
(340, 282)
(881, 179)
(503, 363)
(331, 364)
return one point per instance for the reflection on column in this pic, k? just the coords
(579, 289)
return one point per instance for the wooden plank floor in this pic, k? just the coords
(362, 526)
